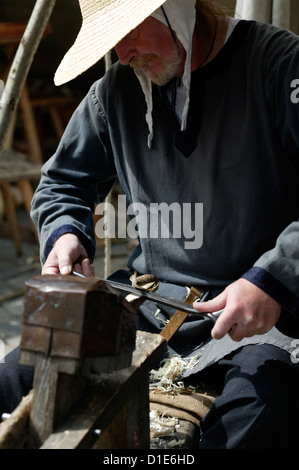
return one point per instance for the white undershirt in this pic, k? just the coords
(181, 91)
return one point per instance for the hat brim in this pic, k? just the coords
(100, 32)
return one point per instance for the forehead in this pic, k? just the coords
(151, 33)
(151, 27)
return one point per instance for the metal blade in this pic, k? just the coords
(159, 299)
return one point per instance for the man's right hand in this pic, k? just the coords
(67, 250)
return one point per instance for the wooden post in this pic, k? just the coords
(72, 328)
(21, 65)
(114, 413)
(91, 381)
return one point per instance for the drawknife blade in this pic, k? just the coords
(157, 298)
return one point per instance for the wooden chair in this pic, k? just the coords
(10, 35)
(16, 169)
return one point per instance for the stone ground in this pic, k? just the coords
(15, 270)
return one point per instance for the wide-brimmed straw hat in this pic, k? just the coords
(104, 24)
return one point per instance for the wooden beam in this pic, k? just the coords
(103, 402)
(21, 65)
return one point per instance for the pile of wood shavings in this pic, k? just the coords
(167, 380)
(163, 431)
(167, 377)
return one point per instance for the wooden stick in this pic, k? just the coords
(179, 317)
(21, 64)
(14, 428)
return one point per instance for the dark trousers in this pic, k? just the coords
(15, 381)
(257, 408)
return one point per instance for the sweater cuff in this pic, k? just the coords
(269, 284)
(68, 229)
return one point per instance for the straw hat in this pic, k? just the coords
(104, 24)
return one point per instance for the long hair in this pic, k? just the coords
(206, 11)
(210, 7)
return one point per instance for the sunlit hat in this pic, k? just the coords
(104, 24)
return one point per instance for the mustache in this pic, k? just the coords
(142, 61)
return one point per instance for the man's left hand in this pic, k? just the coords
(247, 311)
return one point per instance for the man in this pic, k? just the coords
(202, 118)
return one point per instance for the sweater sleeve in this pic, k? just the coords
(75, 178)
(277, 271)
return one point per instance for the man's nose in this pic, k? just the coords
(123, 52)
(126, 48)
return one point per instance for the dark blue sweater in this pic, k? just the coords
(235, 169)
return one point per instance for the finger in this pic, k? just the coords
(78, 268)
(87, 268)
(218, 303)
(224, 324)
(50, 266)
(239, 332)
(65, 266)
(83, 266)
(50, 270)
(81, 259)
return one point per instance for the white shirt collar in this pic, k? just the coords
(182, 16)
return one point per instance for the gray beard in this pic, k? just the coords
(169, 71)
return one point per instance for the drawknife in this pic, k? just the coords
(157, 298)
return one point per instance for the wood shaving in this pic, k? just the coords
(167, 380)
(168, 377)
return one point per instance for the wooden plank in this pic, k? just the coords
(35, 150)
(21, 64)
(55, 342)
(14, 167)
(102, 322)
(104, 400)
(40, 337)
(137, 430)
(130, 429)
(118, 400)
(27, 193)
(179, 317)
(66, 344)
(13, 431)
(12, 31)
(54, 394)
(11, 216)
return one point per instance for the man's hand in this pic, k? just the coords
(247, 311)
(66, 251)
